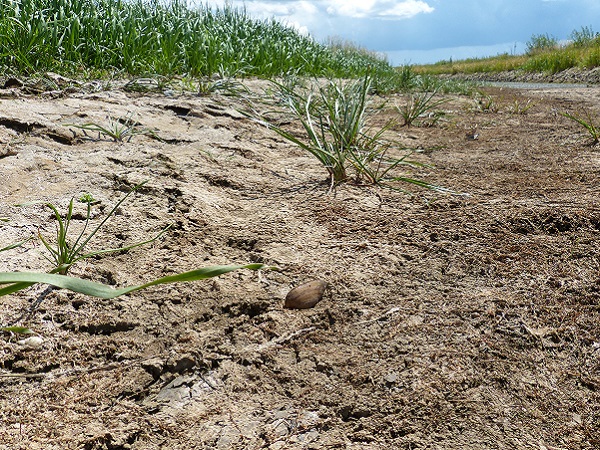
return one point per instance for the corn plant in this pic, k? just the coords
(138, 37)
(588, 123)
(334, 120)
(418, 105)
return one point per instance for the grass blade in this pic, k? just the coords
(11, 246)
(25, 279)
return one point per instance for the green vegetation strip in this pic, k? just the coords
(544, 54)
(166, 38)
(93, 289)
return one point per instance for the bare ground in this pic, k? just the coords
(450, 322)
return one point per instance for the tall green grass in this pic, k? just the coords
(544, 54)
(497, 63)
(554, 61)
(167, 38)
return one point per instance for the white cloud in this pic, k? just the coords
(325, 18)
(279, 9)
(406, 10)
(292, 13)
(304, 9)
(384, 9)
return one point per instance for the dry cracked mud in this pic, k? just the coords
(463, 322)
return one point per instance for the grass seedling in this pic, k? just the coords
(10, 247)
(418, 105)
(145, 85)
(16, 330)
(117, 129)
(17, 281)
(70, 254)
(588, 124)
(65, 252)
(487, 103)
(518, 107)
(226, 86)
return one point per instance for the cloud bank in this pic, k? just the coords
(357, 9)
(419, 30)
(385, 9)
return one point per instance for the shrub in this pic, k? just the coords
(584, 37)
(540, 43)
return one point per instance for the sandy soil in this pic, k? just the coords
(450, 322)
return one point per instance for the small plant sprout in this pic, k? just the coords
(11, 246)
(87, 198)
(65, 251)
(119, 130)
(155, 84)
(16, 330)
(589, 123)
(64, 255)
(223, 83)
(517, 107)
(487, 103)
(419, 105)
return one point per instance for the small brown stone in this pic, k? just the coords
(306, 295)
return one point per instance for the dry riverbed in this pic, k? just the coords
(465, 322)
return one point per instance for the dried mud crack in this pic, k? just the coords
(467, 322)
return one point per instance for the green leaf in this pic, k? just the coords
(22, 280)
(20, 330)
(18, 244)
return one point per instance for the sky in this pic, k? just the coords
(426, 31)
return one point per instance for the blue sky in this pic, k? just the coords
(424, 31)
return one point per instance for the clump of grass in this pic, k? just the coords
(334, 118)
(222, 85)
(553, 61)
(117, 129)
(544, 53)
(419, 104)
(589, 123)
(486, 103)
(520, 107)
(585, 37)
(401, 79)
(492, 64)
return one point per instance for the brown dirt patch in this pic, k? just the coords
(450, 322)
